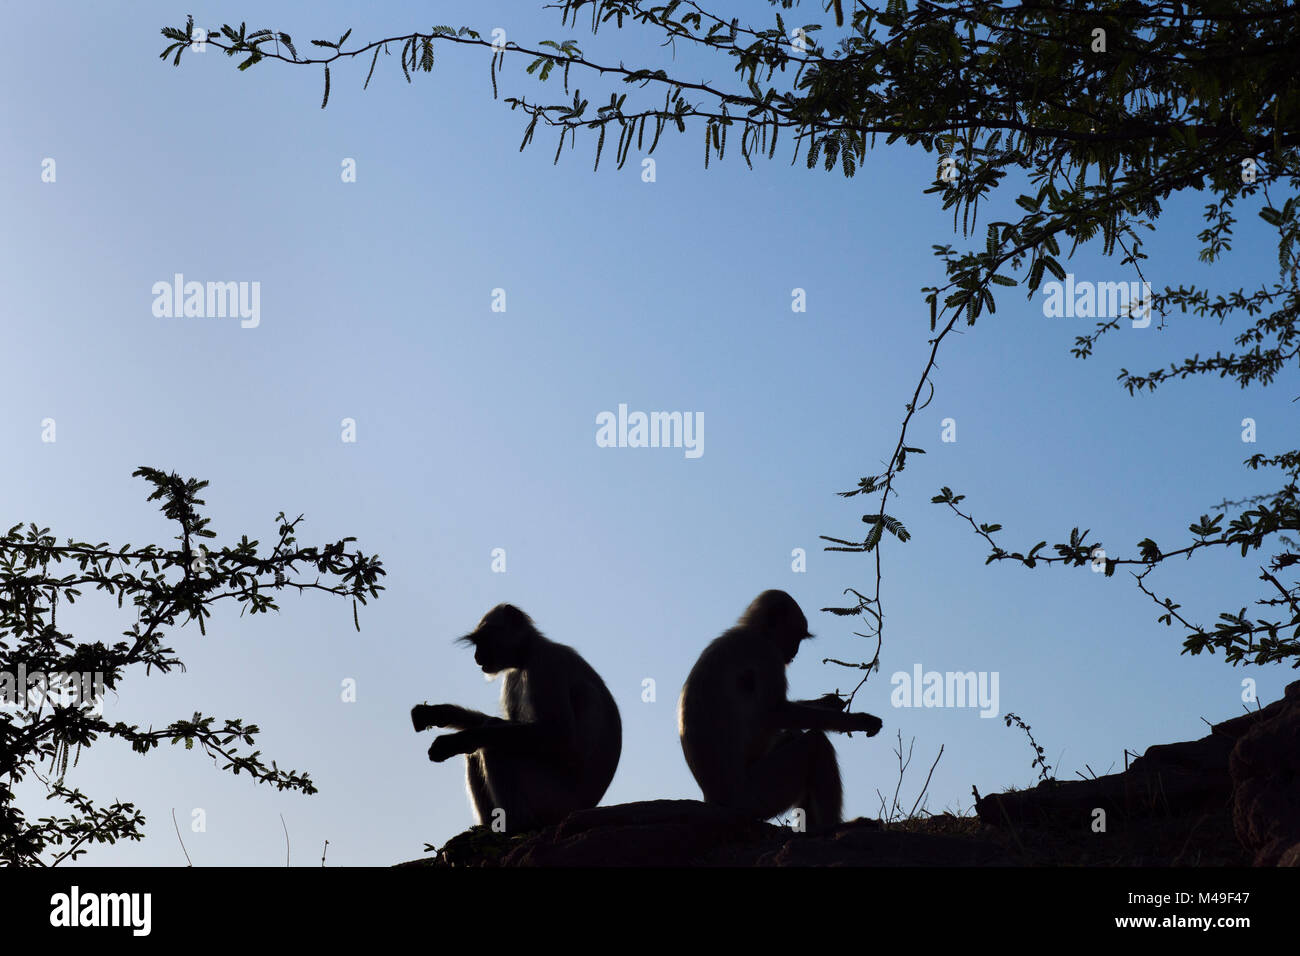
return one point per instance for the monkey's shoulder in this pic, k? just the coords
(561, 662)
(740, 648)
(558, 673)
(741, 664)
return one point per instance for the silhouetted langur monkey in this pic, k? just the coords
(557, 747)
(748, 745)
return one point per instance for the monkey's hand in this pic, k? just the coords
(869, 723)
(424, 716)
(420, 717)
(448, 746)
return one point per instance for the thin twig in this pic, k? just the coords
(188, 861)
(902, 769)
(927, 782)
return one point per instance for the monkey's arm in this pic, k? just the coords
(424, 716)
(825, 702)
(553, 733)
(800, 715)
(507, 735)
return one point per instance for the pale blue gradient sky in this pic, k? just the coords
(477, 429)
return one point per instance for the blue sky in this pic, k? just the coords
(476, 429)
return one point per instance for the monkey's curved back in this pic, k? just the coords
(599, 725)
(595, 714)
(734, 681)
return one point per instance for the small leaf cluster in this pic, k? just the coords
(163, 588)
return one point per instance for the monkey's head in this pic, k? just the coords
(777, 616)
(502, 639)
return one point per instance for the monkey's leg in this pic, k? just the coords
(476, 783)
(799, 771)
(825, 795)
(530, 791)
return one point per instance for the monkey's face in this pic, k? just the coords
(788, 642)
(494, 651)
(780, 618)
(500, 639)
